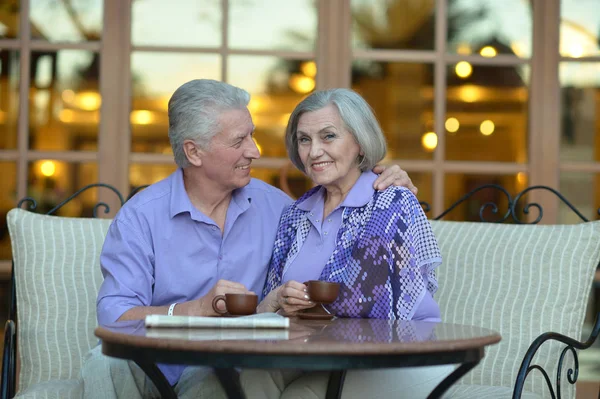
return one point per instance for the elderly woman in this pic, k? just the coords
(377, 244)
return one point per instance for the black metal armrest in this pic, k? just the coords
(571, 346)
(9, 358)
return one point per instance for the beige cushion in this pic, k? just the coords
(55, 389)
(57, 274)
(520, 281)
(487, 392)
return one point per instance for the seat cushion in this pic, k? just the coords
(487, 392)
(55, 389)
(57, 275)
(519, 280)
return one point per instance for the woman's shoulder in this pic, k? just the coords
(396, 195)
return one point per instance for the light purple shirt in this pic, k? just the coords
(320, 242)
(160, 249)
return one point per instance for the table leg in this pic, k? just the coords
(230, 381)
(335, 385)
(451, 379)
(158, 378)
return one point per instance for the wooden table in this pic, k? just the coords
(337, 346)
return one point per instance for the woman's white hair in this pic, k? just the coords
(355, 113)
(194, 111)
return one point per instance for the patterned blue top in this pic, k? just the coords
(384, 259)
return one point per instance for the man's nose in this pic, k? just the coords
(252, 150)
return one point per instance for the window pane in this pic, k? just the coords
(490, 27)
(65, 102)
(50, 182)
(273, 24)
(401, 95)
(9, 98)
(580, 95)
(276, 86)
(582, 190)
(423, 181)
(579, 28)
(8, 200)
(384, 24)
(144, 174)
(66, 21)
(9, 19)
(457, 185)
(189, 23)
(486, 114)
(155, 76)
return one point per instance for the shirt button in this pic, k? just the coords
(329, 220)
(325, 233)
(317, 220)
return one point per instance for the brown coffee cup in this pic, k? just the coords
(322, 291)
(236, 304)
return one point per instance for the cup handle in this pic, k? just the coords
(215, 301)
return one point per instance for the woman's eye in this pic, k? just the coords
(329, 136)
(303, 140)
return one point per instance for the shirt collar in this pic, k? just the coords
(180, 201)
(360, 194)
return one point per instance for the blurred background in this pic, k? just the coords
(467, 91)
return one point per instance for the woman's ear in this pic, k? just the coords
(193, 153)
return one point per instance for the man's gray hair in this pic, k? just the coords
(194, 111)
(357, 116)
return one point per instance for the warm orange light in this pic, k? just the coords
(463, 49)
(469, 93)
(463, 69)
(521, 178)
(88, 100)
(301, 84)
(487, 127)
(48, 168)
(452, 125)
(429, 141)
(142, 117)
(68, 96)
(488, 51)
(309, 68)
(66, 115)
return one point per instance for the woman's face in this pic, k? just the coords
(327, 149)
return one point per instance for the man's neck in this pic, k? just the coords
(207, 196)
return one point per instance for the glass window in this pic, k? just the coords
(457, 185)
(65, 102)
(155, 76)
(9, 98)
(489, 28)
(9, 19)
(579, 28)
(273, 24)
(145, 174)
(580, 95)
(66, 21)
(582, 190)
(401, 94)
(51, 182)
(8, 200)
(486, 113)
(187, 23)
(396, 24)
(276, 86)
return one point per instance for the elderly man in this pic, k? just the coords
(206, 230)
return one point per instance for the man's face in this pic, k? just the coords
(227, 160)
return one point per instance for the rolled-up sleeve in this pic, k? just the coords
(127, 263)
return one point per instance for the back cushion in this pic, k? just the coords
(57, 272)
(519, 280)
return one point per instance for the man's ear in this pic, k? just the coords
(193, 153)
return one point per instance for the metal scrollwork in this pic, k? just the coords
(539, 207)
(488, 205)
(32, 203)
(78, 192)
(572, 373)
